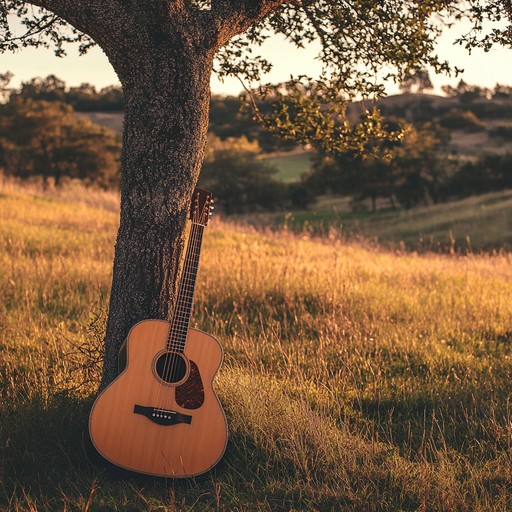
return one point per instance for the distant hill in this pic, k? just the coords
(467, 142)
(112, 120)
(476, 223)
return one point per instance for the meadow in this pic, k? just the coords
(290, 165)
(476, 223)
(355, 378)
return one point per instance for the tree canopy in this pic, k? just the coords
(363, 43)
(45, 138)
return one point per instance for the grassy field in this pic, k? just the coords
(476, 223)
(355, 379)
(290, 165)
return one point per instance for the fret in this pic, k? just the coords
(181, 318)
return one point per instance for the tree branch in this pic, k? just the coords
(110, 22)
(75, 13)
(232, 17)
(39, 27)
(121, 27)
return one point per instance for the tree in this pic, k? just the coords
(488, 173)
(466, 93)
(50, 88)
(353, 175)
(418, 80)
(421, 165)
(164, 51)
(242, 183)
(45, 138)
(412, 172)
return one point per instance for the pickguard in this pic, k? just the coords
(190, 395)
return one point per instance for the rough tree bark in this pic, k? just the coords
(166, 121)
(164, 66)
(167, 94)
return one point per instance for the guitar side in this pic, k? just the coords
(189, 433)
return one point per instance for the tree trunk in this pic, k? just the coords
(167, 96)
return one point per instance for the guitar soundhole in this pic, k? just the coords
(171, 367)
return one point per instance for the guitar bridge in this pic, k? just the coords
(163, 417)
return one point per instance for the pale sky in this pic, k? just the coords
(484, 69)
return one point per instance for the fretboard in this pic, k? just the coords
(183, 310)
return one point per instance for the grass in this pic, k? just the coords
(476, 223)
(354, 379)
(290, 165)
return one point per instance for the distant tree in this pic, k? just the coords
(412, 173)
(417, 81)
(456, 119)
(44, 138)
(466, 93)
(349, 174)
(489, 173)
(90, 153)
(502, 92)
(50, 88)
(83, 98)
(421, 165)
(242, 183)
(110, 99)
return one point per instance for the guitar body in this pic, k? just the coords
(152, 421)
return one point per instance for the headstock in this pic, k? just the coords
(201, 207)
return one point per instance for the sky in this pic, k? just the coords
(480, 68)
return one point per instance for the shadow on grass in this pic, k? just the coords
(41, 445)
(47, 463)
(422, 425)
(46, 466)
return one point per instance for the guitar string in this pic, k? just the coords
(185, 295)
(185, 312)
(168, 357)
(186, 306)
(169, 363)
(181, 317)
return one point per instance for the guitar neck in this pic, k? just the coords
(183, 311)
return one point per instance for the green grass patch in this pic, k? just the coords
(476, 223)
(290, 166)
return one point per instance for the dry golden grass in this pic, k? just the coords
(355, 378)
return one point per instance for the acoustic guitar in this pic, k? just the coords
(161, 415)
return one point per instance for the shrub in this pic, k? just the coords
(488, 173)
(503, 131)
(240, 181)
(456, 119)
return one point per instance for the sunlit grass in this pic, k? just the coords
(355, 378)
